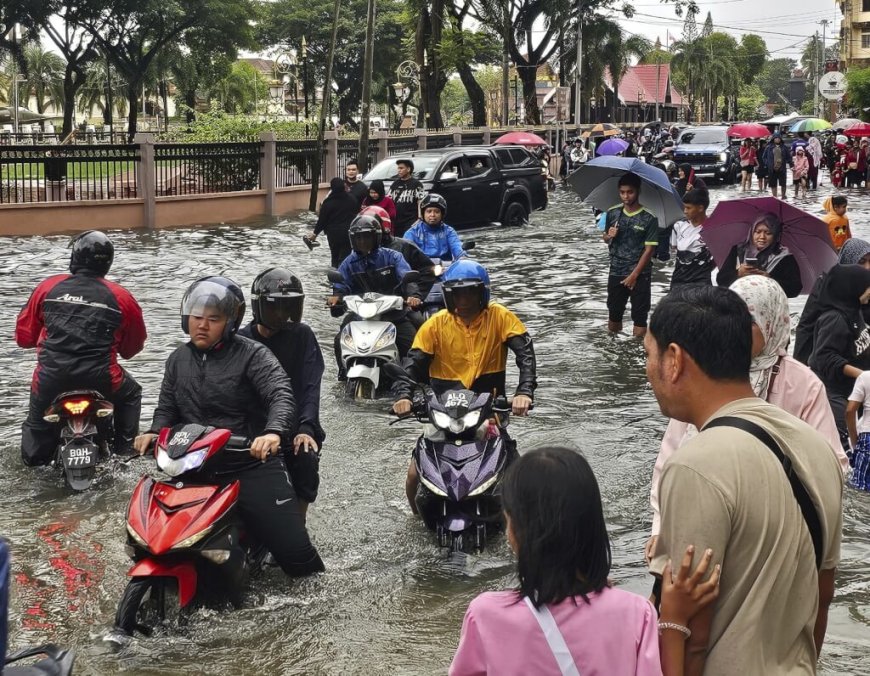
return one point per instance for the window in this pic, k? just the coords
(478, 165)
(865, 5)
(865, 40)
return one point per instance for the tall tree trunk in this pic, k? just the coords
(365, 114)
(133, 111)
(190, 102)
(69, 102)
(324, 110)
(528, 76)
(475, 95)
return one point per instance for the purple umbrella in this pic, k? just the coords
(612, 146)
(805, 236)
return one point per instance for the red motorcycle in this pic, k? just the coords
(84, 419)
(184, 535)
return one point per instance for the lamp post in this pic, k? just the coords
(410, 71)
(516, 98)
(305, 75)
(286, 67)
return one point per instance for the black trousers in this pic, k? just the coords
(269, 509)
(39, 438)
(405, 332)
(339, 245)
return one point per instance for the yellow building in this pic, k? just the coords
(854, 34)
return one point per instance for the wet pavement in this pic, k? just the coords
(391, 601)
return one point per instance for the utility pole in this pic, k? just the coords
(824, 23)
(658, 73)
(15, 82)
(505, 64)
(818, 74)
(365, 117)
(577, 76)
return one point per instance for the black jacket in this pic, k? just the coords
(297, 349)
(416, 259)
(839, 340)
(358, 190)
(336, 213)
(786, 273)
(238, 385)
(805, 332)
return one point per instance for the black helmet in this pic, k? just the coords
(433, 199)
(220, 293)
(93, 251)
(277, 298)
(365, 227)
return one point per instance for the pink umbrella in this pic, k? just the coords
(749, 130)
(805, 236)
(860, 129)
(520, 138)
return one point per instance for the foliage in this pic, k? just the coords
(749, 101)
(773, 78)
(44, 76)
(655, 56)
(858, 80)
(707, 30)
(94, 88)
(243, 90)
(217, 125)
(455, 103)
(751, 56)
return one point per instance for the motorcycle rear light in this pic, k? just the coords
(52, 418)
(217, 556)
(76, 407)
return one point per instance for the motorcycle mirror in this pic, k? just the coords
(335, 276)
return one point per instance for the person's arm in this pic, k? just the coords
(816, 412)
(31, 319)
(309, 395)
(788, 275)
(132, 329)
(524, 351)
(416, 363)
(414, 235)
(645, 258)
(323, 217)
(167, 413)
(272, 385)
(470, 659)
(832, 335)
(409, 289)
(727, 274)
(454, 244)
(852, 422)
(826, 596)
(344, 288)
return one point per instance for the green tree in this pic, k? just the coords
(93, 94)
(750, 98)
(44, 76)
(655, 56)
(707, 30)
(751, 56)
(455, 103)
(243, 90)
(858, 80)
(773, 78)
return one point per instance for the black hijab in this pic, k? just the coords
(377, 186)
(842, 289)
(688, 177)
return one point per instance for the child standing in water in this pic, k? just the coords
(694, 262)
(859, 432)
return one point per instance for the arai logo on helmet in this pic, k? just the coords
(179, 439)
(457, 399)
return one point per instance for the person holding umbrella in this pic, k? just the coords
(631, 233)
(763, 254)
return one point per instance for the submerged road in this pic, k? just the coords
(391, 601)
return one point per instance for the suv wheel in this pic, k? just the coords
(515, 215)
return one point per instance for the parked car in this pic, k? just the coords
(709, 152)
(482, 184)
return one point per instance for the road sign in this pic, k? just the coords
(832, 86)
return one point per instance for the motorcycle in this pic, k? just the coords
(369, 342)
(460, 458)
(434, 301)
(84, 418)
(184, 535)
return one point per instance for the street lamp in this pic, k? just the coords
(409, 71)
(305, 76)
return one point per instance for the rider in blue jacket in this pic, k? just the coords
(432, 235)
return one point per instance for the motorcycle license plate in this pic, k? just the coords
(79, 457)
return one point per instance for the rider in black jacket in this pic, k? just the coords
(224, 380)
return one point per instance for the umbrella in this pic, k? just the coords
(612, 146)
(596, 183)
(845, 123)
(602, 129)
(806, 236)
(749, 130)
(520, 138)
(860, 129)
(810, 124)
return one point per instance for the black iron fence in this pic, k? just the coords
(441, 140)
(68, 173)
(401, 144)
(200, 168)
(294, 163)
(348, 151)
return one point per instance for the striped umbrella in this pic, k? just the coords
(810, 124)
(845, 123)
(602, 129)
(860, 129)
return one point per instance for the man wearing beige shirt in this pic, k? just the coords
(727, 491)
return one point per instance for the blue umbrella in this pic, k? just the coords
(596, 183)
(612, 146)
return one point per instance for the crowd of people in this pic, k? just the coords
(747, 489)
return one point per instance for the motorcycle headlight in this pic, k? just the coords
(347, 340)
(183, 464)
(138, 539)
(368, 310)
(387, 337)
(440, 419)
(485, 486)
(723, 156)
(471, 419)
(432, 487)
(193, 539)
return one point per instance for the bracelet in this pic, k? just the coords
(676, 627)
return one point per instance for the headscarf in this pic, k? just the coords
(683, 183)
(377, 186)
(768, 306)
(853, 251)
(814, 148)
(773, 253)
(336, 185)
(842, 289)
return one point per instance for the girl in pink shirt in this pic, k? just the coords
(800, 171)
(565, 618)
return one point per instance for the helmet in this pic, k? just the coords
(464, 274)
(220, 293)
(365, 227)
(93, 251)
(433, 199)
(669, 143)
(277, 298)
(381, 215)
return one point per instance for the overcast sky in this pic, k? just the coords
(785, 25)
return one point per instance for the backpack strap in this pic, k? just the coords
(808, 510)
(567, 666)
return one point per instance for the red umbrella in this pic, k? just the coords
(749, 130)
(860, 129)
(520, 138)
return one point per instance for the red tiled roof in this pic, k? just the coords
(641, 79)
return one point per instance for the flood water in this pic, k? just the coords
(390, 602)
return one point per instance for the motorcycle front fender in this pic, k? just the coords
(184, 572)
(372, 373)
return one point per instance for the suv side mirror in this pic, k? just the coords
(449, 177)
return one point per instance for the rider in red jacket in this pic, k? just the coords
(79, 323)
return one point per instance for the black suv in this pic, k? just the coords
(709, 152)
(482, 184)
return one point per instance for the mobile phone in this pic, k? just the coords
(751, 261)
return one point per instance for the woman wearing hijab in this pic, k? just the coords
(336, 212)
(775, 377)
(841, 341)
(378, 197)
(686, 179)
(854, 252)
(763, 254)
(814, 150)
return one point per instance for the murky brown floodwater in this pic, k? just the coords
(390, 603)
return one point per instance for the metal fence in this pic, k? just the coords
(439, 140)
(67, 173)
(199, 168)
(295, 161)
(348, 150)
(401, 144)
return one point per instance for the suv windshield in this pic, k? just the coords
(424, 168)
(703, 136)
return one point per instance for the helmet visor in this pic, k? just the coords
(277, 311)
(206, 298)
(364, 242)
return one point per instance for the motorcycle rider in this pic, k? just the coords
(79, 323)
(277, 298)
(374, 268)
(465, 346)
(222, 379)
(432, 235)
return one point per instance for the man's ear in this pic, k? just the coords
(675, 362)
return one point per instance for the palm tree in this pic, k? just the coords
(44, 77)
(690, 60)
(93, 93)
(243, 89)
